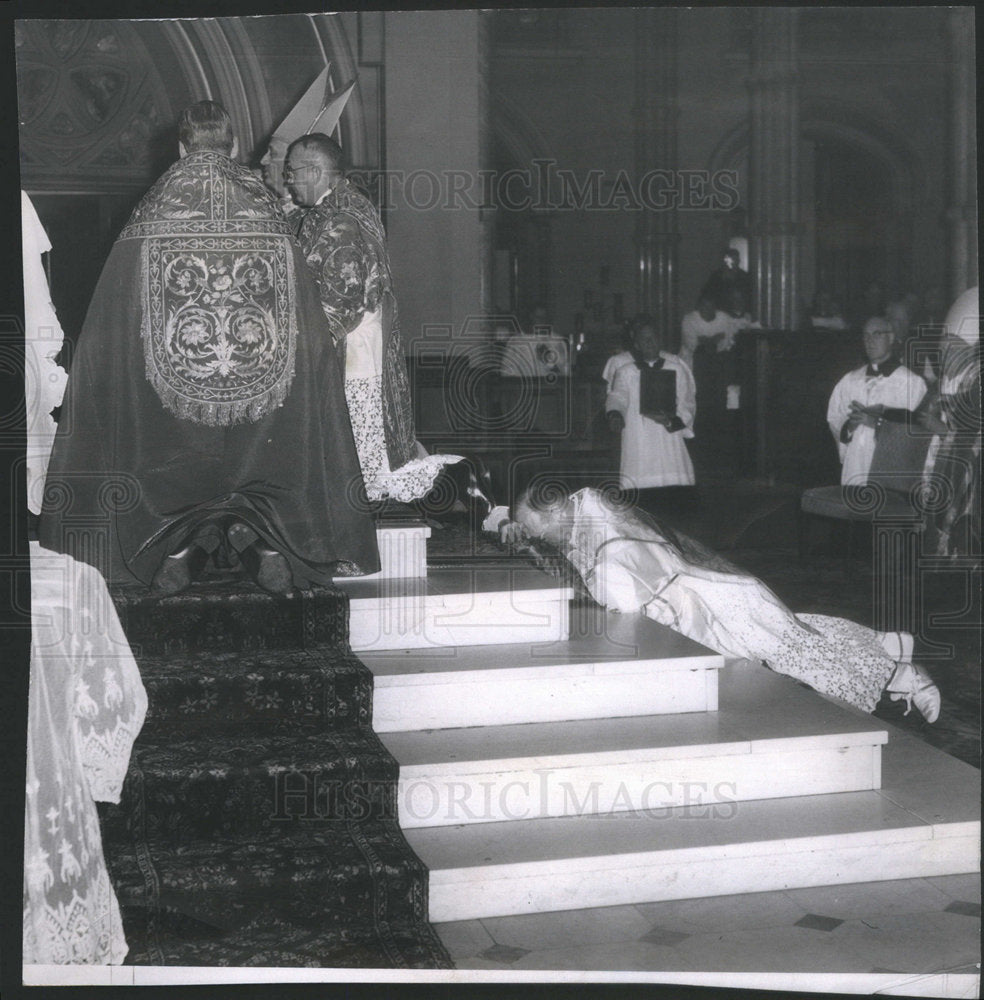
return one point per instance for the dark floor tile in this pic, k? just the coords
(816, 922)
(964, 908)
(660, 935)
(504, 953)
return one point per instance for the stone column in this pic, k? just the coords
(773, 167)
(438, 240)
(961, 213)
(656, 112)
(486, 213)
(543, 244)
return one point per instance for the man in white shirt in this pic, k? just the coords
(707, 322)
(653, 453)
(884, 389)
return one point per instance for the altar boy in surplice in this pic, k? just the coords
(653, 401)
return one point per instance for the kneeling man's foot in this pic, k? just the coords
(179, 569)
(272, 571)
(268, 568)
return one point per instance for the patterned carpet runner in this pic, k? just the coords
(258, 820)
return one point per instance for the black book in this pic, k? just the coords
(657, 392)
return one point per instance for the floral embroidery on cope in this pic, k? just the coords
(219, 328)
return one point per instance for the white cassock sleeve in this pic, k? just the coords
(839, 407)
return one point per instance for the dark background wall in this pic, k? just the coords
(507, 90)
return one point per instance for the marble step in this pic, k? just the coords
(803, 746)
(456, 607)
(610, 666)
(402, 550)
(924, 821)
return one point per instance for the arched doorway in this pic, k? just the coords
(859, 225)
(98, 100)
(857, 185)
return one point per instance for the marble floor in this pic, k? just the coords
(907, 928)
(912, 937)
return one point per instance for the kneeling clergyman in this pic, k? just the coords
(205, 408)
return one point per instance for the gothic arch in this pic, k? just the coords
(338, 50)
(98, 99)
(824, 119)
(91, 105)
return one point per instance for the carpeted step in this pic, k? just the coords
(217, 786)
(228, 616)
(271, 691)
(276, 943)
(325, 894)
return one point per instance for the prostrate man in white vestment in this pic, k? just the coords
(883, 389)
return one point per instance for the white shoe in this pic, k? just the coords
(912, 684)
(898, 645)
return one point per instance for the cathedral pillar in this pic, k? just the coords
(773, 167)
(543, 239)
(961, 213)
(436, 111)
(656, 113)
(486, 212)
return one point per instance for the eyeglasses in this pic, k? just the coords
(299, 171)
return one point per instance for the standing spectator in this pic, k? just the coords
(706, 323)
(903, 314)
(617, 360)
(727, 280)
(653, 403)
(863, 399)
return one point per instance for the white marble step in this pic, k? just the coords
(611, 666)
(925, 821)
(457, 607)
(402, 551)
(803, 746)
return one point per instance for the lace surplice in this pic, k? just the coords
(86, 706)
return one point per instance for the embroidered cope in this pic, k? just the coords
(219, 323)
(206, 388)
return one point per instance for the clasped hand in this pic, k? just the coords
(867, 415)
(512, 533)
